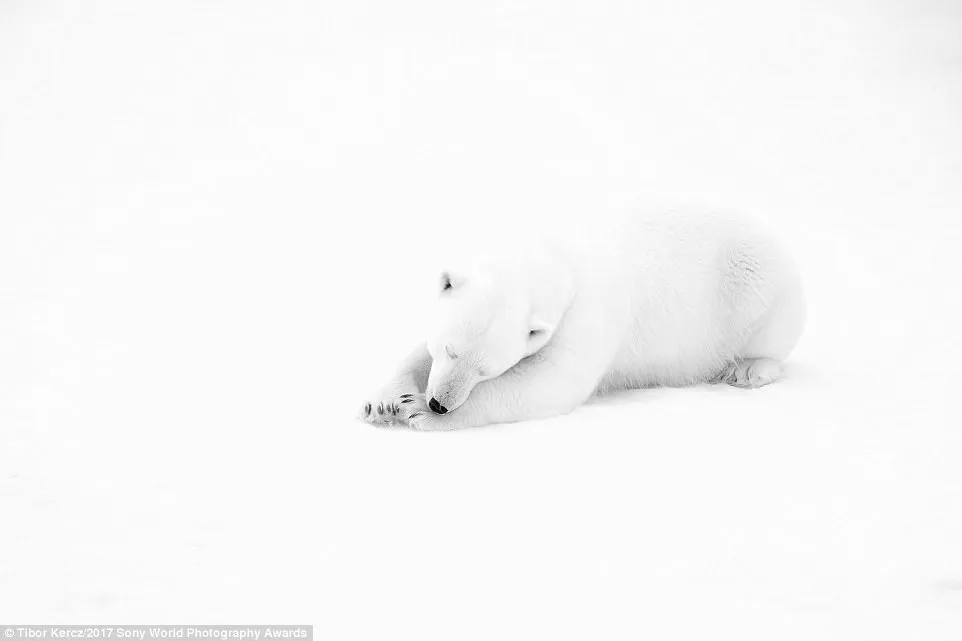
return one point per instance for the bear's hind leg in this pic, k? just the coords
(759, 362)
(780, 328)
(751, 372)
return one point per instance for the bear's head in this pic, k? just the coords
(483, 326)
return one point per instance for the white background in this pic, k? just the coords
(218, 223)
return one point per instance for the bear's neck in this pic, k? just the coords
(548, 283)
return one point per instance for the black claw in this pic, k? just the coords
(415, 415)
(407, 395)
(367, 408)
(380, 408)
(408, 400)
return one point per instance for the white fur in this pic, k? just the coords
(664, 298)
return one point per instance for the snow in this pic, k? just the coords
(218, 224)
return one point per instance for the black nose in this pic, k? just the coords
(436, 407)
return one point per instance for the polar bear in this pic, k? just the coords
(673, 297)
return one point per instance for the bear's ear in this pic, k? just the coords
(539, 333)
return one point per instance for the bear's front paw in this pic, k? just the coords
(424, 420)
(388, 409)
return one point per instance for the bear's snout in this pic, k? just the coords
(436, 407)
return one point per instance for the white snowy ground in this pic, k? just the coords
(217, 227)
